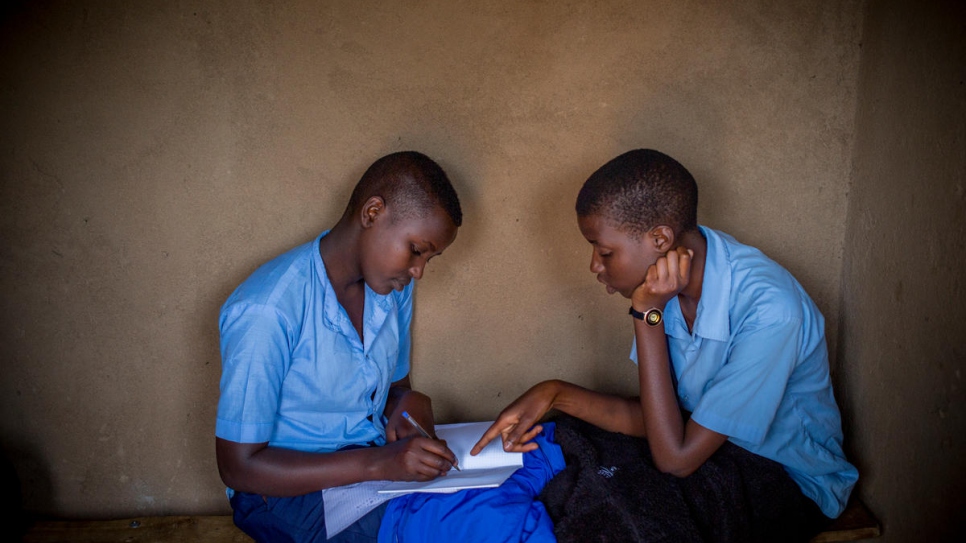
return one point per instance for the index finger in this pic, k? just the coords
(489, 435)
(439, 448)
(684, 263)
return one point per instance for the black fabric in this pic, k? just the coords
(610, 491)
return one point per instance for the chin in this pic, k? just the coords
(381, 290)
(624, 293)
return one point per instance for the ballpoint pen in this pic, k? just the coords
(422, 432)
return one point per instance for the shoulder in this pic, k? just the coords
(762, 292)
(278, 283)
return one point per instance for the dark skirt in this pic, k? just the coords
(610, 491)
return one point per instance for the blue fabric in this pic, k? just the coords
(509, 513)
(756, 369)
(297, 519)
(294, 371)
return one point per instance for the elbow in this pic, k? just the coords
(233, 463)
(677, 469)
(228, 480)
(227, 473)
(678, 472)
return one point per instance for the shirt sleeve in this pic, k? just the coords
(255, 354)
(741, 400)
(405, 315)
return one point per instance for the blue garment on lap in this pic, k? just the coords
(509, 513)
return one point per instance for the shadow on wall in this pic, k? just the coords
(24, 496)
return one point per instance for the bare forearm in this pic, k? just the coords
(283, 472)
(403, 398)
(661, 414)
(396, 392)
(612, 413)
(677, 447)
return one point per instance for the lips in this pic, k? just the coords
(610, 289)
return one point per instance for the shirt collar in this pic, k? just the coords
(377, 307)
(712, 321)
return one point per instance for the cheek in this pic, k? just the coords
(629, 273)
(616, 267)
(395, 257)
(378, 259)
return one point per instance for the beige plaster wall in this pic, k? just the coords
(903, 340)
(154, 153)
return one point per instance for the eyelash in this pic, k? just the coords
(415, 251)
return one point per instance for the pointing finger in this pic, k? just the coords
(489, 435)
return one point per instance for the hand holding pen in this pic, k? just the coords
(423, 432)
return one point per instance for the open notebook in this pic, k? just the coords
(346, 504)
(488, 469)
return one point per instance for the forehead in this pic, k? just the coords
(434, 227)
(603, 230)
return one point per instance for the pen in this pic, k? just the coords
(422, 432)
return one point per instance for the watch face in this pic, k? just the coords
(653, 317)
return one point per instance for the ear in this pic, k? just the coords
(661, 237)
(372, 208)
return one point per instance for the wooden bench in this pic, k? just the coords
(855, 523)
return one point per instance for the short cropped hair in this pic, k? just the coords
(411, 184)
(639, 190)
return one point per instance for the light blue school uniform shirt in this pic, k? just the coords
(295, 373)
(756, 369)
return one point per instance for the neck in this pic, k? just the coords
(341, 258)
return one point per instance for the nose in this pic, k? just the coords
(417, 270)
(595, 265)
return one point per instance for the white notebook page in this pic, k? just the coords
(346, 504)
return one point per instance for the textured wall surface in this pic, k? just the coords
(153, 153)
(903, 339)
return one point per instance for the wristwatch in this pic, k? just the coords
(652, 317)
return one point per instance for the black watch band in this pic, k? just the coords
(651, 317)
